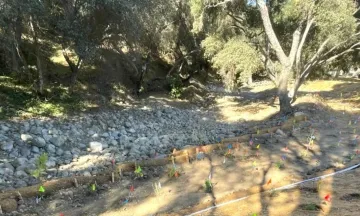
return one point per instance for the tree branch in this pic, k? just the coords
(271, 34)
(332, 58)
(295, 45)
(302, 42)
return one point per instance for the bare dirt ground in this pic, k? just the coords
(271, 161)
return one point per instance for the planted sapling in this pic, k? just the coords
(208, 186)
(279, 165)
(138, 171)
(40, 166)
(173, 171)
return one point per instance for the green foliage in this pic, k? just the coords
(173, 172)
(335, 20)
(19, 100)
(310, 207)
(279, 165)
(176, 86)
(208, 186)
(236, 60)
(40, 165)
(138, 172)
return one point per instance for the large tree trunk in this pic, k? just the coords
(73, 68)
(285, 105)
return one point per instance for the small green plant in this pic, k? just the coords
(176, 87)
(310, 207)
(40, 165)
(351, 157)
(208, 186)
(176, 92)
(229, 154)
(173, 172)
(138, 171)
(279, 165)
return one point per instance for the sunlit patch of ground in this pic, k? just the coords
(340, 95)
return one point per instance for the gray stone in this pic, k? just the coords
(280, 132)
(132, 130)
(7, 146)
(50, 164)
(6, 171)
(21, 174)
(35, 149)
(50, 148)
(298, 114)
(26, 138)
(105, 135)
(152, 153)
(20, 184)
(20, 162)
(25, 151)
(95, 146)
(128, 124)
(59, 152)
(87, 174)
(4, 128)
(113, 143)
(57, 141)
(141, 141)
(39, 142)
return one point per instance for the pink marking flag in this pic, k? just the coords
(327, 197)
(251, 142)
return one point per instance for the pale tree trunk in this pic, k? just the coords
(285, 106)
(285, 61)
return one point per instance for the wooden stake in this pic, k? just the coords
(187, 156)
(76, 182)
(20, 197)
(112, 177)
(173, 160)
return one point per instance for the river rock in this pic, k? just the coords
(96, 146)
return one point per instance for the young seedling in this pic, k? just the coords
(208, 186)
(279, 165)
(138, 172)
(41, 194)
(173, 172)
(229, 154)
(40, 166)
(351, 157)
